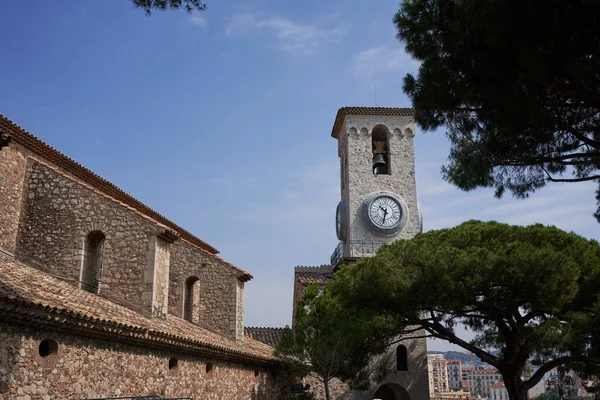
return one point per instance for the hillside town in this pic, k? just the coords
(456, 379)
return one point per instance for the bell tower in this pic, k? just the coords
(377, 180)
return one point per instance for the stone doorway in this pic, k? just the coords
(391, 391)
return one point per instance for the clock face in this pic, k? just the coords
(385, 212)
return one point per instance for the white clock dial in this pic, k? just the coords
(385, 212)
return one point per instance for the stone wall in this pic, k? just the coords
(219, 291)
(12, 176)
(382, 372)
(355, 145)
(157, 277)
(87, 368)
(139, 269)
(61, 212)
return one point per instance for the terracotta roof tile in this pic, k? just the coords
(102, 186)
(307, 275)
(25, 290)
(342, 112)
(270, 336)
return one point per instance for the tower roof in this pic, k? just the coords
(385, 111)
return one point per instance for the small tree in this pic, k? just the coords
(528, 291)
(516, 85)
(329, 341)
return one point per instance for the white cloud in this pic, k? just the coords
(382, 58)
(198, 21)
(294, 38)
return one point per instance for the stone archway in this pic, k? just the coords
(391, 391)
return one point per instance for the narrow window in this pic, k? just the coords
(92, 263)
(209, 369)
(191, 303)
(401, 358)
(381, 154)
(173, 362)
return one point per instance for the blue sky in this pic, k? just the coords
(221, 121)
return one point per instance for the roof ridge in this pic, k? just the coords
(89, 177)
(86, 170)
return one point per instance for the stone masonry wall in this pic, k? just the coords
(156, 277)
(59, 215)
(382, 371)
(218, 289)
(355, 142)
(12, 176)
(239, 316)
(90, 368)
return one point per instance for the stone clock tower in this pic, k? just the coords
(378, 205)
(378, 189)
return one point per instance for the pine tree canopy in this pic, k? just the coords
(516, 85)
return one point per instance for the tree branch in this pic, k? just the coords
(583, 96)
(439, 331)
(541, 371)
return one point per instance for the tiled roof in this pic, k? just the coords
(270, 336)
(34, 298)
(307, 275)
(84, 175)
(342, 112)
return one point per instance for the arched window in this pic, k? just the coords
(401, 358)
(92, 262)
(191, 301)
(381, 150)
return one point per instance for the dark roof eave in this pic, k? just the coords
(18, 309)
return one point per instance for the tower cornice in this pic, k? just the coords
(383, 111)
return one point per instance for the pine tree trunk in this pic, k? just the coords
(326, 384)
(515, 388)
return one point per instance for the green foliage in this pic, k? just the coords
(548, 396)
(331, 341)
(162, 5)
(516, 84)
(529, 291)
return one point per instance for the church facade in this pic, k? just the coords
(101, 296)
(378, 205)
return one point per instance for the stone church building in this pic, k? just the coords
(101, 296)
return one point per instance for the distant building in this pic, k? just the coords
(435, 356)
(584, 393)
(458, 395)
(438, 375)
(498, 391)
(454, 374)
(480, 380)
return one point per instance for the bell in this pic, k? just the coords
(379, 163)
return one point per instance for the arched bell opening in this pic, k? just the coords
(380, 143)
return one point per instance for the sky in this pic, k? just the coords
(221, 121)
